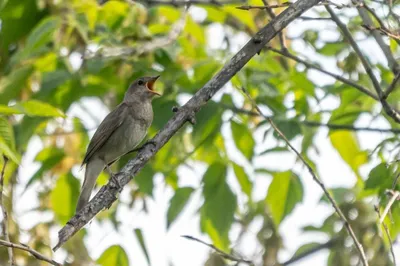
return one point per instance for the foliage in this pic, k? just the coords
(53, 60)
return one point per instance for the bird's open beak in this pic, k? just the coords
(150, 85)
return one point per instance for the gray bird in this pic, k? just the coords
(119, 133)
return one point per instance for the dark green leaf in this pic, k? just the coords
(243, 139)
(289, 128)
(145, 180)
(378, 177)
(177, 203)
(243, 179)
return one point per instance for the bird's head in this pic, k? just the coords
(142, 88)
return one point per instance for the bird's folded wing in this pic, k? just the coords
(107, 127)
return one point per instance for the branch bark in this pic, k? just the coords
(33, 252)
(108, 193)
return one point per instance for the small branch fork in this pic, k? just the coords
(108, 193)
(316, 179)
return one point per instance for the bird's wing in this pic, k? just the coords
(106, 128)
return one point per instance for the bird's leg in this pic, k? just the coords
(113, 176)
(152, 142)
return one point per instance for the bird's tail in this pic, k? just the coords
(93, 169)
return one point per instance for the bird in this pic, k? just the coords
(119, 133)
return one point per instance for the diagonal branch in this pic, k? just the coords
(317, 180)
(385, 105)
(4, 224)
(377, 36)
(108, 193)
(335, 76)
(33, 252)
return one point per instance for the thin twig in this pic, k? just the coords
(392, 86)
(387, 234)
(336, 76)
(329, 244)
(284, 4)
(266, 7)
(395, 196)
(369, 24)
(386, 107)
(308, 123)
(177, 3)
(316, 179)
(33, 252)
(220, 252)
(4, 224)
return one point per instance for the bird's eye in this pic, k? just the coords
(140, 82)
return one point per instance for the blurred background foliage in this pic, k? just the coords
(56, 54)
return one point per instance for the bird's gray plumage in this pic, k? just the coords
(119, 133)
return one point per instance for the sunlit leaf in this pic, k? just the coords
(7, 141)
(11, 85)
(114, 255)
(243, 139)
(243, 179)
(284, 193)
(64, 196)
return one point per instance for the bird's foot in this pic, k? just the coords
(152, 142)
(113, 177)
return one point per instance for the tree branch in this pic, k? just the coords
(220, 252)
(317, 180)
(4, 224)
(386, 107)
(387, 234)
(378, 37)
(26, 248)
(392, 86)
(313, 123)
(108, 193)
(335, 76)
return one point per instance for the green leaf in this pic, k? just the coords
(114, 255)
(7, 110)
(145, 180)
(346, 144)
(41, 34)
(340, 194)
(38, 108)
(139, 236)
(11, 85)
(219, 239)
(289, 128)
(243, 179)
(177, 203)
(333, 48)
(219, 201)
(243, 139)
(49, 157)
(285, 191)
(7, 141)
(378, 177)
(64, 196)
(208, 120)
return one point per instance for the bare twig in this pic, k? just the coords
(108, 193)
(177, 3)
(145, 48)
(26, 248)
(387, 234)
(329, 244)
(336, 76)
(265, 6)
(4, 224)
(395, 196)
(220, 252)
(323, 3)
(392, 86)
(386, 107)
(308, 123)
(369, 24)
(316, 179)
